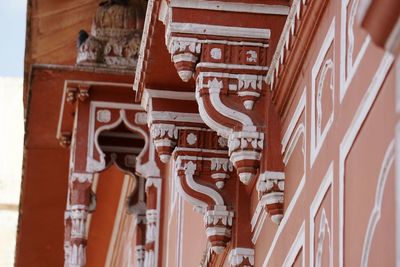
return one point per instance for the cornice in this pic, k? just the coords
(291, 51)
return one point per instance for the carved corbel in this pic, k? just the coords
(185, 54)
(202, 167)
(80, 91)
(270, 187)
(65, 139)
(164, 137)
(241, 257)
(217, 217)
(245, 139)
(229, 77)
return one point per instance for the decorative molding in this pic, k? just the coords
(153, 217)
(164, 137)
(95, 165)
(217, 30)
(115, 37)
(241, 257)
(232, 7)
(149, 94)
(297, 245)
(270, 187)
(295, 118)
(318, 133)
(285, 219)
(326, 184)
(174, 117)
(375, 216)
(350, 136)
(348, 61)
(195, 167)
(285, 42)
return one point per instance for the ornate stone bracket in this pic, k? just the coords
(270, 187)
(199, 160)
(217, 218)
(80, 92)
(241, 257)
(229, 77)
(164, 137)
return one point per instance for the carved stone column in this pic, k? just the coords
(75, 219)
(153, 192)
(140, 239)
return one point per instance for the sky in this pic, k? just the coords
(12, 30)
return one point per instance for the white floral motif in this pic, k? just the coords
(104, 116)
(223, 142)
(216, 53)
(191, 139)
(252, 56)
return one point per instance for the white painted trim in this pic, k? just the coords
(300, 131)
(375, 216)
(230, 66)
(348, 69)
(211, 41)
(231, 7)
(92, 134)
(221, 129)
(149, 94)
(285, 218)
(393, 40)
(317, 141)
(298, 243)
(364, 5)
(351, 134)
(143, 44)
(397, 192)
(226, 31)
(181, 231)
(326, 183)
(98, 83)
(202, 189)
(157, 183)
(117, 221)
(173, 116)
(397, 75)
(259, 226)
(214, 89)
(301, 105)
(220, 152)
(193, 201)
(283, 43)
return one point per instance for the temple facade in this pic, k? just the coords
(180, 133)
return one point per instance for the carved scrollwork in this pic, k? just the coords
(115, 36)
